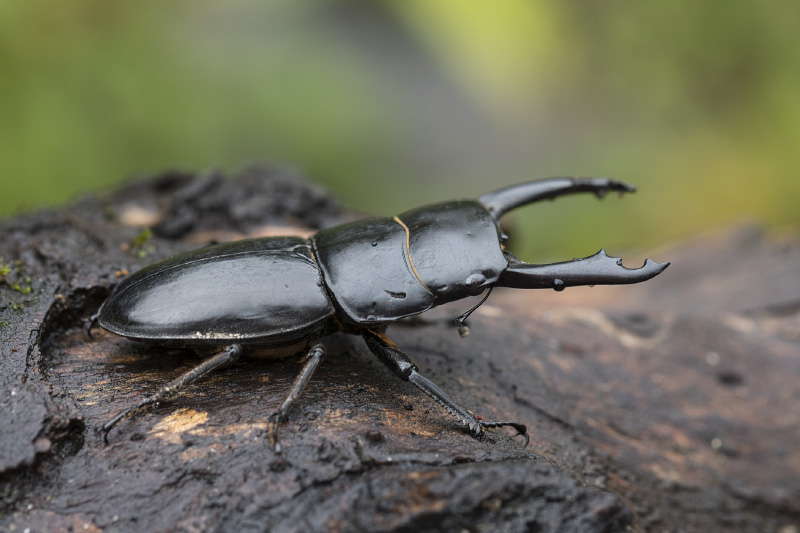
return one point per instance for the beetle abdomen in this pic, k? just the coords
(258, 291)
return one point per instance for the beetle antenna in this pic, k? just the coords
(463, 329)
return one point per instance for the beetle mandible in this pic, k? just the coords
(279, 295)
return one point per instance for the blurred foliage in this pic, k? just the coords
(395, 103)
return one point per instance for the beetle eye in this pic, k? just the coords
(474, 281)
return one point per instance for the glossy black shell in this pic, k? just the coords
(383, 269)
(265, 291)
(285, 290)
(366, 267)
(451, 241)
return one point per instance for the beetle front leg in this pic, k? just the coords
(402, 365)
(228, 355)
(312, 361)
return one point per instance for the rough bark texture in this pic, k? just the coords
(667, 406)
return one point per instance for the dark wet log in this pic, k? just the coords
(667, 406)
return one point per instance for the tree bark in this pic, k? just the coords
(667, 406)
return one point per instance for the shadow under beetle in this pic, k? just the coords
(277, 296)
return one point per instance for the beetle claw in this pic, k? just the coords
(597, 269)
(503, 200)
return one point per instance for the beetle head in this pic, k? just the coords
(599, 269)
(454, 248)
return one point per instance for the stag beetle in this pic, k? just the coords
(277, 296)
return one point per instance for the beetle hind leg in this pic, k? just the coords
(406, 369)
(312, 361)
(228, 355)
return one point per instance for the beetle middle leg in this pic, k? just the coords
(228, 355)
(312, 361)
(402, 365)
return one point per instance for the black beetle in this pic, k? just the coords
(276, 296)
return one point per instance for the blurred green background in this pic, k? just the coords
(391, 104)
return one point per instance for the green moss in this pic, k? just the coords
(141, 245)
(14, 277)
(140, 240)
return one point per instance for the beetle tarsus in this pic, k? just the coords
(228, 355)
(274, 422)
(315, 356)
(430, 388)
(521, 429)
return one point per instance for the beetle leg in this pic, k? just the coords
(402, 365)
(228, 355)
(312, 361)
